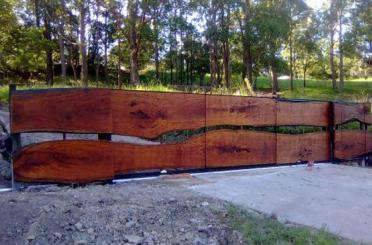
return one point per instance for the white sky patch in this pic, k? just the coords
(316, 4)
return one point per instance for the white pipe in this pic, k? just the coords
(117, 181)
(253, 169)
(5, 189)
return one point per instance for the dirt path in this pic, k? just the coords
(146, 212)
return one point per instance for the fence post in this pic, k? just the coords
(331, 130)
(15, 137)
(104, 136)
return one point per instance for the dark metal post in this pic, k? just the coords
(15, 137)
(104, 136)
(331, 130)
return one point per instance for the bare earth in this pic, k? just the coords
(146, 212)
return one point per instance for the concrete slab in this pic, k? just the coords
(326, 195)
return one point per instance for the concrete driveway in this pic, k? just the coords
(326, 195)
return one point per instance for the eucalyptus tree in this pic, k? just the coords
(332, 20)
(306, 43)
(298, 12)
(360, 35)
(83, 6)
(272, 26)
(244, 17)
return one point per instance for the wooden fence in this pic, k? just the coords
(151, 114)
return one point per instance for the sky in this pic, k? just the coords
(315, 4)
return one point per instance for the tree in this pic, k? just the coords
(83, 5)
(273, 27)
(306, 44)
(331, 25)
(61, 37)
(246, 37)
(298, 11)
(137, 20)
(47, 18)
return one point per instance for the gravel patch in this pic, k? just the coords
(146, 212)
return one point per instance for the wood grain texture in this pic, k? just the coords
(227, 148)
(238, 110)
(349, 144)
(81, 161)
(68, 110)
(149, 114)
(347, 112)
(304, 147)
(302, 113)
(69, 161)
(368, 142)
(185, 155)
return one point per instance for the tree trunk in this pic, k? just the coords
(73, 66)
(213, 64)
(133, 61)
(156, 50)
(83, 51)
(96, 40)
(341, 65)
(226, 49)
(247, 53)
(304, 77)
(274, 79)
(49, 50)
(331, 49)
(226, 63)
(62, 42)
(291, 49)
(105, 47)
(37, 12)
(133, 41)
(119, 75)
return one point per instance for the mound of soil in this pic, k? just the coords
(147, 212)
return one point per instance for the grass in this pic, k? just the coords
(261, 230)
(359, 90)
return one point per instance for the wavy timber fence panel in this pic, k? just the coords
(350, 144)
(226, 131)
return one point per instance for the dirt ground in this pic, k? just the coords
(146, 212)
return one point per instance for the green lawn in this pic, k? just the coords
(355, 90)
(261, 230)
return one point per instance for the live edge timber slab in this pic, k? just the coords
(69, 161)
(350, 144)
(79, 161)
(227, 148)
(152, 114)
(347, 112)
(149, 114)
(303, 147)
(61, 110)
(239, 110)
(294, 113)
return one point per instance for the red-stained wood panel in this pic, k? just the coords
(349, 144)
(239, 110)
(81, 161)
(150, 114)
(302, 113)
(67, 110)
(69, 161)
(227, 148)
(369, 142)
(304, 147)
(347, 112)
(185, 155)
